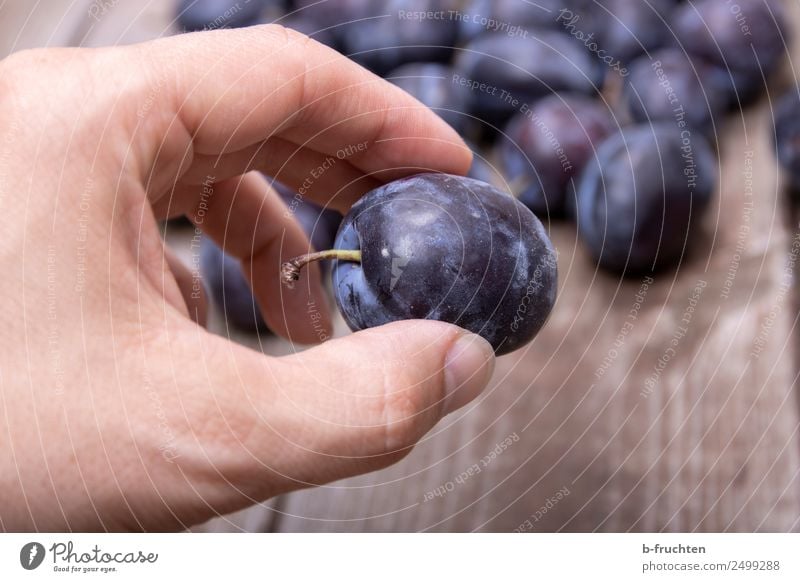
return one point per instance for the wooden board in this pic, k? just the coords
(706, 442)
(593, 432)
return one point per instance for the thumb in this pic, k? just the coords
(378, 391)
(346, 407)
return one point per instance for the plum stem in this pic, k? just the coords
(290, 270)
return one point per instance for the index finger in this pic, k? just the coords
(234, 88)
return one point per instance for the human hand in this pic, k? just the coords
(119, 411)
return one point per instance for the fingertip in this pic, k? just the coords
(416, 139)
(469, 365)
(467, 359)
(461, 158)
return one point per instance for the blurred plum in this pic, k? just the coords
(640, 199)
(433, 85)
(545, 147)
(669, 86)
(747, 38)
(503, 72)
(385, 35)
(787, 137)
(194, 15)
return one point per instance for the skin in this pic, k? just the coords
(119, 411)
(223, 275)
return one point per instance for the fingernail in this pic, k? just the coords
(468, 367)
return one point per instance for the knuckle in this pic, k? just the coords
(27, 66)
(27, 79)
(21, 61)
(15, 76)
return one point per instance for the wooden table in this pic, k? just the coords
(606, 427)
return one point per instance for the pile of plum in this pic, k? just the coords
(601, 112)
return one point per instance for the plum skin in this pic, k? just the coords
(635, 206)
(449, 248)
(229, 288)
(432, 84)
(747, 43)
(522, 70)
(787, 137)
(384, 43)
(193, 15)
(549, 144)
(700, 88)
